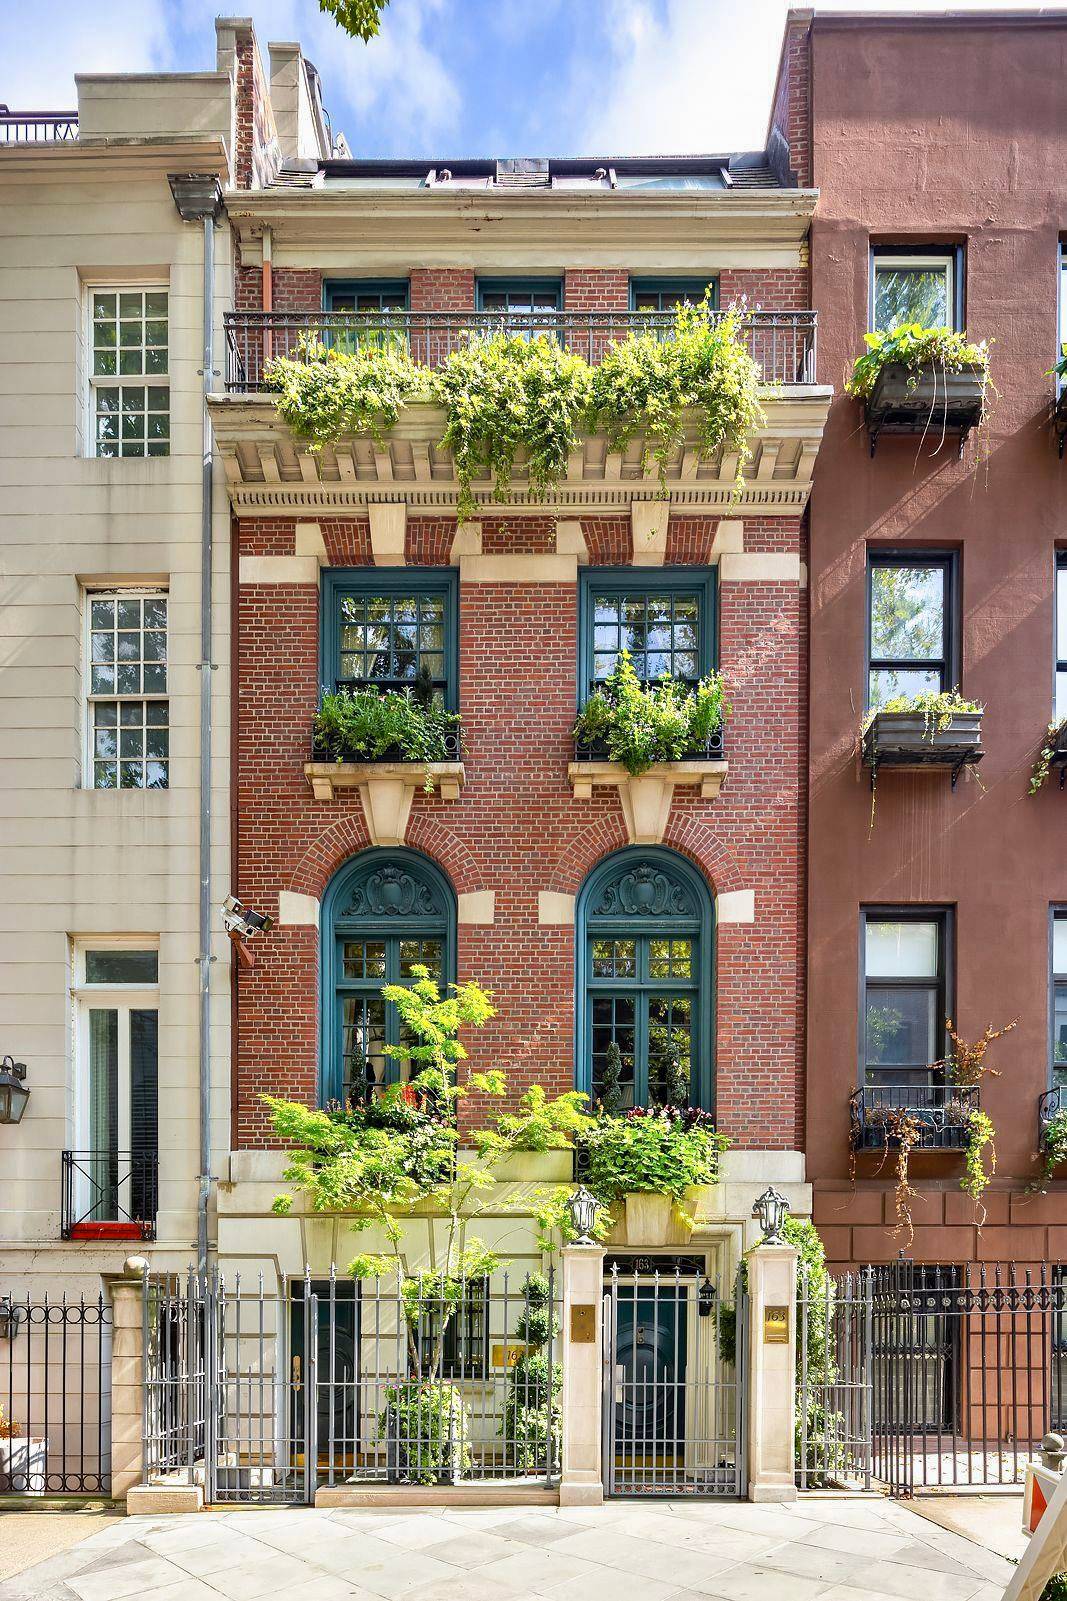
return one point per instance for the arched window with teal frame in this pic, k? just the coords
(645, 931)
(385, 913)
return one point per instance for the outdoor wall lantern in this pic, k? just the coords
(10, 1318)
(13, 1092)
(706, 1298)
(583, 1207)
(770, 1212)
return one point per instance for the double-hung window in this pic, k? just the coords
(128, 711)
(391, 630)
(905, 980)
(1058, 1074)
(666, 621)
(1061, 636)
(913, 285)
(910, 625)
(112, 1173)
(129, 382)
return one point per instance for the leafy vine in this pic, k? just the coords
(903, 1132)
(917, 348)
(1051, 743)
(1053, 1151)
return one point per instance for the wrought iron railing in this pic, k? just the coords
(55, 1384)
(110, 1194)
(37, 127)
(783, 343)
(940, 1111)
(1052, 1102)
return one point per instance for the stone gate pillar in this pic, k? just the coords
(582, 1480)
(772, 1365)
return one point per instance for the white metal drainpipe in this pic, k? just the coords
(198, 197)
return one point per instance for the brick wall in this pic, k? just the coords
(517, 829)
(791, 117)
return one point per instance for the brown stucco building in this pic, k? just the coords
(936, 146)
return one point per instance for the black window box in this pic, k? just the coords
(904, 739)
(940, 1110)
(452, 738)
(904, 401)
(596, 750)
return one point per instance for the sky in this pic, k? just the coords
(461, 77)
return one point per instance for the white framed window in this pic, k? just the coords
(128, 713)
(111, 1173)
(129, 336)
(912, 288)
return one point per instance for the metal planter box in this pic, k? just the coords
(929, 401)
(903, 739)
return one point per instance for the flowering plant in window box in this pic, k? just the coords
(913, 379)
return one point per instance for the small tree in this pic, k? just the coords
(360, 18)
(532, 1418)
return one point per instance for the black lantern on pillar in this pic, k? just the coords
(583, 1207)
(13, 1092)
(770, 1212)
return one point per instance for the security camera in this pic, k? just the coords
(241, 921)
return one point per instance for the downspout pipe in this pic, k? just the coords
(198, 197)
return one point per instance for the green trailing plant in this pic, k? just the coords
(976, 1174)
(1059, 371)
(533, 1420)
(426, 1429)
(610, 1103)
(1053, 1151)
(1052, 742)
(640, 724)
(507, 394)
(917, 349)
(903, 1132)
(325, 392)
(645, 386)
(372, 725)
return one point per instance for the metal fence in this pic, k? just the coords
(783, 343)
(263, 1395)
(834, 1387)
(53, 127)
(55, 1395)
(674, 1379)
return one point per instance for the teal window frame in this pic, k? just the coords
(673, 290)
(629, 582)
(518, 286)
(341, 581)
(390, 929)
(699, 928)
(333, 287)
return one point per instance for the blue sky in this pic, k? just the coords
(460, 77)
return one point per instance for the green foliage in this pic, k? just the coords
(610, 1103)
(641, 724)
(917, 348)
(372, 725)
(541, 1123)
(1053, 738)
(646, 385)
(532, 1411)
(980, 1133)
(360, 18)
(936, 707)
(1056, 1588)
(428, 1426)
(659, 1151)
(1059, 371)
(324, 393)
(1053, 1152)
(505, 394)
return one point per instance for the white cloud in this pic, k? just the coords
(43, 46)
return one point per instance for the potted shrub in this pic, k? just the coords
(915, 380)
(658, 1164)
(938, 729)
(426, 1430)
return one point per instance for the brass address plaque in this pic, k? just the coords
(775, 1325)
(583, 1323)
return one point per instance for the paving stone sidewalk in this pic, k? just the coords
(837, 1550)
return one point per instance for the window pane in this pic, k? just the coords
(101, 1192)
(661, 632)
(362, 1037)
(911, 294)
(886, 683)
(1059, 945)
(1059, 1033)
(902, 1026)
(613, 1019)
(907, 613)
(670, 1024)
(901, 950)
(122, 967)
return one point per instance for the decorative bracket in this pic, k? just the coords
(386, 790)
(646, 800)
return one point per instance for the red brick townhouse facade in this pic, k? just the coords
(937, 561)
(522, 846)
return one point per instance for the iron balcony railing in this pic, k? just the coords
(1052, 1102)
(941, 1111)
(37, 127)
(783, 343)
(110, 1194)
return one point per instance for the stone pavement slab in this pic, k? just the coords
(821, 1549)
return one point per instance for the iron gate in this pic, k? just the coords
(674, 1366)
(263, 1395)
(834, 1384)
(55, 1396)
(967, 1372)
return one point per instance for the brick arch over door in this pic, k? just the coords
(332, 848)
(694, 840)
